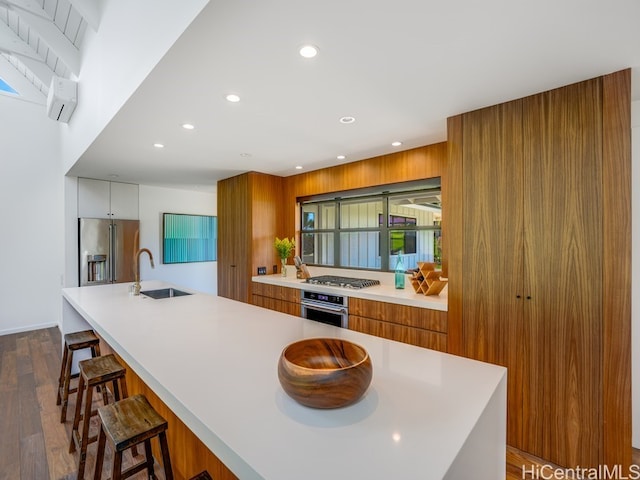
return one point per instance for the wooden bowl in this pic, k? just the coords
(325, 372)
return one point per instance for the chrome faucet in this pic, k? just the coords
(136, 285)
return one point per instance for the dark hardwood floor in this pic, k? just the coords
(34, 444)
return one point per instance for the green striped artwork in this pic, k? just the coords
(189, 238)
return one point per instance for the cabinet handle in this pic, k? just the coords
(528, 297)
(518, 296)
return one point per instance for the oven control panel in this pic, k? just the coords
(324, 298)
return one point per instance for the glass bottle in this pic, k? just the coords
(399, 273)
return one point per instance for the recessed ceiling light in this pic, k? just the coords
(341, 157)
(158, 145)
(396, 144)
(245, 155)
(299, 167)
(233, 98)
(188, 126)
(308, 51)
(347, 120)
(113, 175)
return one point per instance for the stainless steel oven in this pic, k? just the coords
(325, 308)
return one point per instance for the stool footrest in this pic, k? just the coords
(77, 441)
(135, 469)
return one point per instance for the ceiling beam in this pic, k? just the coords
(38, 67)
(88, 9)
(11, 43)
(26, 90)
(29, 6)
(53, 37)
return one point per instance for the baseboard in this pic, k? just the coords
(29, 328)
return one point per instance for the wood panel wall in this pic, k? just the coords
(493, 247)
(453, 222)
(616, 156)
(233, 222)
(266, 200)
(563, 212)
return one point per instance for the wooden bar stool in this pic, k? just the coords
(73, 342)
(94, 373)
(125, 424)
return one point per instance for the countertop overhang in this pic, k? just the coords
(213, 361)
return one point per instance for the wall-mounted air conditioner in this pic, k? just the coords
(62, 99)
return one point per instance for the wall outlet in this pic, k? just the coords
(262, 270)
(275, 269)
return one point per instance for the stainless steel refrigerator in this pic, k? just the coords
(107, 249)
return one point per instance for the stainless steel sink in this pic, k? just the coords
(164, 293)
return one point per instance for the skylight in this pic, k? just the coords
(5, 87)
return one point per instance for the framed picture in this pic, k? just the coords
(189, 238)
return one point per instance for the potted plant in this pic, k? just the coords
(285, 248)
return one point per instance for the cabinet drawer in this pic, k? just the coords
(275, 291)
(281, 306)
(422, 318)
(400, 333)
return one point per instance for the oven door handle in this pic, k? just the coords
(323, 308)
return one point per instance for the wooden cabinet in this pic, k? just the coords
(103, 199)
(278, 298)
(234, 230)
(417, 326)
(527, 265)
(249, 219)
(563, 240)
(494, 247)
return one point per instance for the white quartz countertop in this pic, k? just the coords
(385, 292)
(213, 361)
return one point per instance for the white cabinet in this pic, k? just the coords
(102, 199)
(124, 201)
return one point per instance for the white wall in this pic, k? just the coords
(31, 210)
(71, 232)
(154, 201)
(635, 269)
(131, 40)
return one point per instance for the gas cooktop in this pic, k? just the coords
(334, 281)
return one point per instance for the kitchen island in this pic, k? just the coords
(213, 362)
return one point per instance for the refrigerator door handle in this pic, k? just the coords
(114, 262)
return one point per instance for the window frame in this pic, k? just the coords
(383, 228)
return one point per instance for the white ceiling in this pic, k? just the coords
(399, 67)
